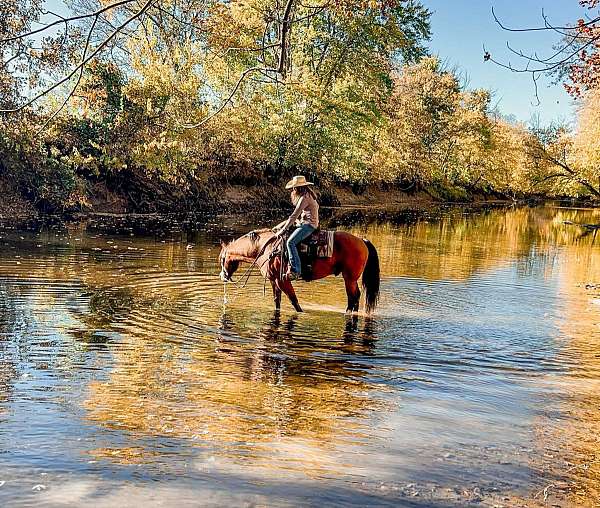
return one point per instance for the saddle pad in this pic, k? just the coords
(325, 249)
(320, 244)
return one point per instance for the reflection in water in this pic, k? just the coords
(228, 392)
(573, 439)
(9, 324)
(476, 381)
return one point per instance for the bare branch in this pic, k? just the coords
(250, 50)
(572, 32)
(572, 49)
(85, 61)
(540, 28)
(179, 20)
(551, 176)
(547, 60)
(535, 78)
(549, 67)
(70, 94)
(316, 11)
(67, 20)
(230, 96)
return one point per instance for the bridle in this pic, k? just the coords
(224, 272)
(248, 272)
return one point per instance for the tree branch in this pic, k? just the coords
(540, 28)
(573, 175)
(85, 61)
(229, 97)
(67, 20)
(68, 97)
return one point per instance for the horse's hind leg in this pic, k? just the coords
(288, 289)
(353, 294)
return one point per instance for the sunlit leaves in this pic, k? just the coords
(584, 67)
(359, 102)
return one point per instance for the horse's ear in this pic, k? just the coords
(225, 243)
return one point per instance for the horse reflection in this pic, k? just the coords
(278, 330)
(353, 334)
(275, 331)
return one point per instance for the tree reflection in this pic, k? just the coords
(221, 394)
(569, 448)
(456, 245)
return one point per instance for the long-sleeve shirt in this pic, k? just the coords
(306, 211)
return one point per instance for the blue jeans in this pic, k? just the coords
(299, 234)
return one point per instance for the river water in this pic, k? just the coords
(128, 377)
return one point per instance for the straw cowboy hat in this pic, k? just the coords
(297, 181)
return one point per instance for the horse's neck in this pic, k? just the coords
(246, 250)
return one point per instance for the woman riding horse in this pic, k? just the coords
(351, 257)
(305, 216)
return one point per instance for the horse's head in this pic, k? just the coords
(246, 248)
(228, 264)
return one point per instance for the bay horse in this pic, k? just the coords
(352, 256)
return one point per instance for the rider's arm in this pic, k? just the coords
(279, 226)
(300, 206)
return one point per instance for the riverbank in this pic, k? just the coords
(231, 198)
(150, 197)
(13, 204)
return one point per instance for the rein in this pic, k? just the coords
(248, 271)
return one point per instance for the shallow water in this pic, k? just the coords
(125, 379)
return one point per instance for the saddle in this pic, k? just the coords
(317, 245)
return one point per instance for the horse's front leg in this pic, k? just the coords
(276, 295)
(288, 289)
(270, 271)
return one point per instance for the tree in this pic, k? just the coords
(435, 132)
(566, 164)
(561, 162)
(313, 116)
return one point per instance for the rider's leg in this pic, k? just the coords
(299, 234)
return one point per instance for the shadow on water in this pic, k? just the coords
(123, 376)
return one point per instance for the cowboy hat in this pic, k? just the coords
(297, 181)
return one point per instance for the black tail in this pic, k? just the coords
(370, 278)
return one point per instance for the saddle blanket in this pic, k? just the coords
(319, 244)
